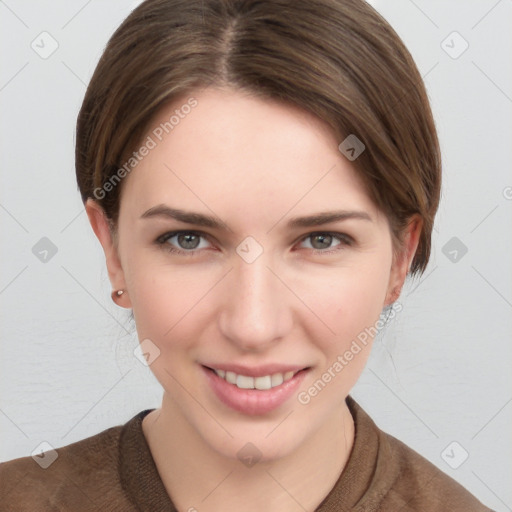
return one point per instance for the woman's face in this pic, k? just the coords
(248, 245)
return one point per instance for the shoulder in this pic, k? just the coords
(417, 484)
(399, 478)
(82, 476)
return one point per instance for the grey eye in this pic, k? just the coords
(321, 241)
(188, 240)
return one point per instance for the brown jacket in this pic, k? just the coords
(114, 471)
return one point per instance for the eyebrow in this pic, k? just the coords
(199, 219)
(210, 221)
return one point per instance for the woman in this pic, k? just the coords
(262, 177)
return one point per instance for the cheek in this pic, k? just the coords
(351, 307)
(347, 307)
(165, 298)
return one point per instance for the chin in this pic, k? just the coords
(257, 450)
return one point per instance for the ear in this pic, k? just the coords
(402, 260)
(101, 228)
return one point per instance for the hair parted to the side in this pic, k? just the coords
(338, 59)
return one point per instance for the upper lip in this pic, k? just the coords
(256, 371)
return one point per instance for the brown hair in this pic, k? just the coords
(338, 59)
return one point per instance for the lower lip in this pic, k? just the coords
(253, 401)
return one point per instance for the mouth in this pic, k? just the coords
(263, 382)
(265, 390)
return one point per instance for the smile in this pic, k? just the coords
(264, 391)
(264, 382)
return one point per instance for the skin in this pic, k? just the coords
(253, 164)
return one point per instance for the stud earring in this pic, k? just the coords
(116, 294)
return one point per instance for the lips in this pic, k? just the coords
(255, 390)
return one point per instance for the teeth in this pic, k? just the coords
(288, 375)
(277, 379)
(262, 383)
(244, 382)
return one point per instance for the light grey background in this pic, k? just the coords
(439, 373)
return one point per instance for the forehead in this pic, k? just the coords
(233, 149)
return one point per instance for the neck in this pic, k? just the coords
(197, 477)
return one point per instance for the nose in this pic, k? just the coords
(256, 310)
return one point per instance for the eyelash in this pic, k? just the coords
(345, 241)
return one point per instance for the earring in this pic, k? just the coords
(116, 294)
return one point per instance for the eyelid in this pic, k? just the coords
(162, 240)
(335, 234)
(343, 238)
(170, 234)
